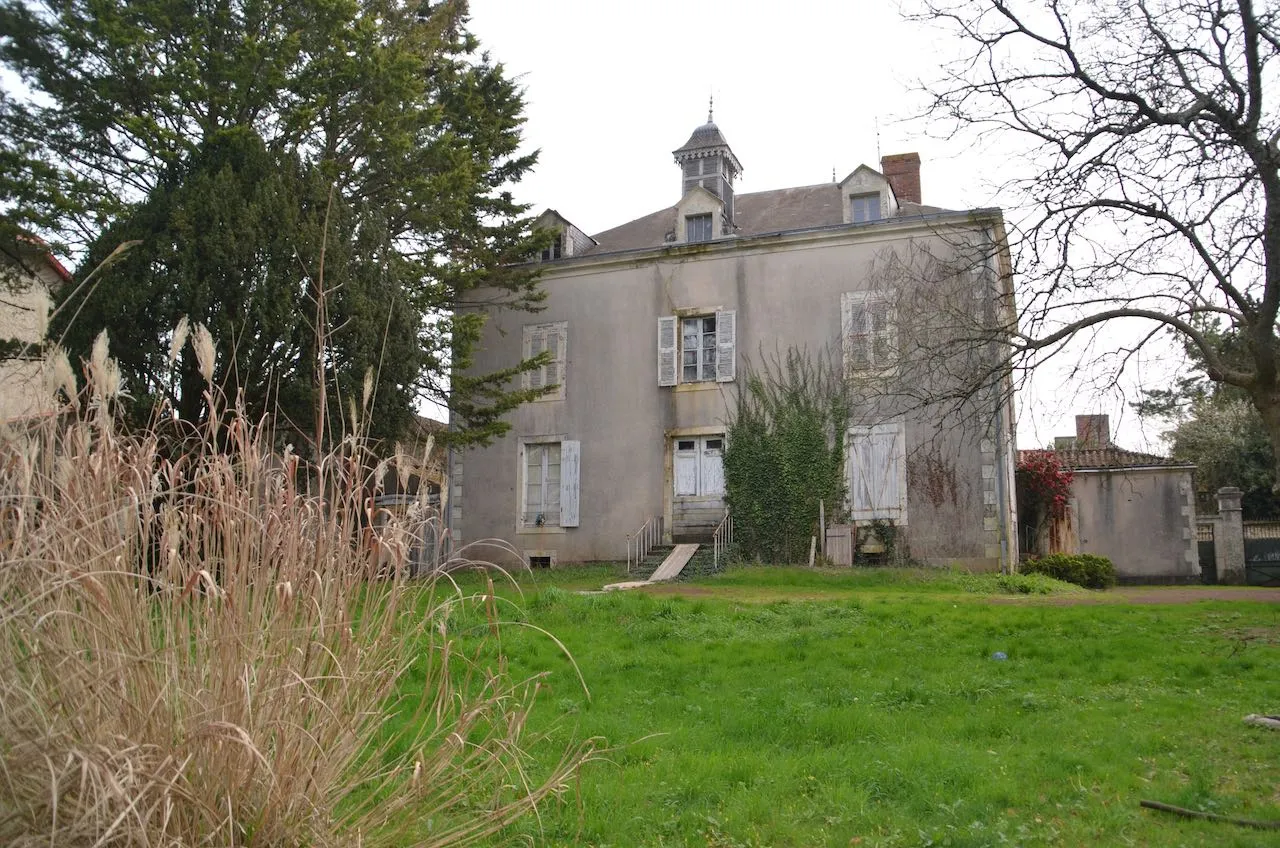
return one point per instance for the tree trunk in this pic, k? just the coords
(1268, 405)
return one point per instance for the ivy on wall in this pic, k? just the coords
(785, 453)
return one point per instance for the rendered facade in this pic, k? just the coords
(650, 326)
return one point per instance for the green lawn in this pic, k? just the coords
(794, 707)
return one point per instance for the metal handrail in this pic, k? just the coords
(721, 540)
(643, 540)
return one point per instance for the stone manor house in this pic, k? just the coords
(650, 325)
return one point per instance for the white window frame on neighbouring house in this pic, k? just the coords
(553, 336)
(869, 333)
(715, 358)
(549, 475)
(695, 460)
(864, 208)
(876, 472)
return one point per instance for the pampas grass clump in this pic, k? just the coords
(196, 648)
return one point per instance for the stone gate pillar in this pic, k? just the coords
(1228, 541)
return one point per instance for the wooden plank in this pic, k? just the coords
(674, 563)
(840, 544)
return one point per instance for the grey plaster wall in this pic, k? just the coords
(786, 291)
(1143, 520)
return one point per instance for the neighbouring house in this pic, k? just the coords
(1136, 509)
(30, 276)
(650, 325)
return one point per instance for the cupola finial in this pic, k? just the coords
(711, 107)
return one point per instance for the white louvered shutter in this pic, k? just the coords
(562, 356)
(846, 335)
(570, 460)
(726, 345)
(667, 351)
(537, 344)
(552, 371)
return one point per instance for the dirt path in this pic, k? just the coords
(1157, 595)
(1122, 595)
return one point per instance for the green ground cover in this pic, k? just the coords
(801, 707)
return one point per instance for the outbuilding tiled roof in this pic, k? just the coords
(756, 213)
(1094, 459)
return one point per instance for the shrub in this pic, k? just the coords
(199, 649)
(1088, 570)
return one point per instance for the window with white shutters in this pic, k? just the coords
(869, 332)
(704, 346)
(876, 469)
(549, 484)
(552, 337)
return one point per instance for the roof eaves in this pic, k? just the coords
(955, 215)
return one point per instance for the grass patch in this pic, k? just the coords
(875, 715)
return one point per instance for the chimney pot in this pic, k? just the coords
(902, 170)
(1093, 431)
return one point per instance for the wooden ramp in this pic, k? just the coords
(669, 570)
(674, 563)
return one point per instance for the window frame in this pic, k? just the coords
(555, 250)
(699, 218)
(529, 518)
(895, 512)
(539, 378)
(871, 202)
(868, 335)
(702, 363)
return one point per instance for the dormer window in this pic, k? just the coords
(697, 228)
(864, 207)
(555, 250)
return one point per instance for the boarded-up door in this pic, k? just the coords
(877, 473)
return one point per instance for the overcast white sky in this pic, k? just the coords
(613, 87)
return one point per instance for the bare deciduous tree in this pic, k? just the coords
(1156, 191)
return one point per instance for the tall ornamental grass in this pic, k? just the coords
(200, 646)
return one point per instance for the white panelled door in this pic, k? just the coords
(699, 466)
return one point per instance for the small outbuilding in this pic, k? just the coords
(1136, 509)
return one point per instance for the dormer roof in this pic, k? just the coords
(865, 172)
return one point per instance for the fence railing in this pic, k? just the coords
(721, 540)
(643, 540)
(1262, 529)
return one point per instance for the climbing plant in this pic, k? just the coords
(785, 453)
(1043, 484)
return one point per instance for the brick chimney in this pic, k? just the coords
(1093, 431)
(902, 170)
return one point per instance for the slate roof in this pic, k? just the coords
(756, 213)
(1100, 459)
(707, 135)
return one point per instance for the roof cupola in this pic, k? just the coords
(707, 160)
